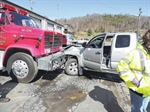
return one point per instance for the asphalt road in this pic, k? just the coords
(58, 92)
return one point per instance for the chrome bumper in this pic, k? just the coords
(51, 62)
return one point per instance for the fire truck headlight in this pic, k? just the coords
(37, 44)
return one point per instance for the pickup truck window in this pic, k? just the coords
(96, 42)
(122, 41)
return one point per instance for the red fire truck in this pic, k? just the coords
(25, 48)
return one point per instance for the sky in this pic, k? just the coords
(66, 9)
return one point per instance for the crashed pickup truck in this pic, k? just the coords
(100, 54)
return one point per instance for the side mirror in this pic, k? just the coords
(11, 18)
(84, 44)
(2, 22)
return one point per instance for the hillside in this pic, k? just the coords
(95, 23)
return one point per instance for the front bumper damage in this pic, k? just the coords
(51, 62)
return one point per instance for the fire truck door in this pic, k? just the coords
(4, 27)
(8, 31)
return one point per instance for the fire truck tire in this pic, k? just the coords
(71, 67)
(22, 68)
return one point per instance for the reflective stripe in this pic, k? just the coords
(126, 60)
(123, 72)
(137, 72)
(147, 74)
(143, 59)
(140, 73)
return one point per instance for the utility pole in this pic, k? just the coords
(31, 2)
(139, 26)
(77, 25)
(57, 12)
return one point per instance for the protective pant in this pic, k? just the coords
(138, 103)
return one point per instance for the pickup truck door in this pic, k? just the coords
(92, 55)
(120, 47)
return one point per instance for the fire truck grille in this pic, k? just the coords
(49, 41)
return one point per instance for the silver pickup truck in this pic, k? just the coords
(100, 54)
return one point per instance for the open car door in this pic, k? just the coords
(93, 53)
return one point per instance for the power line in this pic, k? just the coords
(111, 7)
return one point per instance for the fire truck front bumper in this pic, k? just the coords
(51, 62)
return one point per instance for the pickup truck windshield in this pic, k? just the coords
(22, 20)
(96, 42)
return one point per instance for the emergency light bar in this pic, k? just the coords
(11, 8)
(6, 6)
(22, 12)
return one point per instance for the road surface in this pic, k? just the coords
(58, 92)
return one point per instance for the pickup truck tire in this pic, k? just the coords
(71, 67)
(22, 68)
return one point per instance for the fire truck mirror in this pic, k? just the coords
(2, 21)
(11, 18)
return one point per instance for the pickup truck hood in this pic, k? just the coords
(73, 50)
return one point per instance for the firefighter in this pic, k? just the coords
(134, 69)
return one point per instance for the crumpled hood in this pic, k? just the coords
(73, 49)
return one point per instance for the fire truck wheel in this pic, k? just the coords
(22, 68)
(71, 67)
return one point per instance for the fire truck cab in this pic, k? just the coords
(24, 47)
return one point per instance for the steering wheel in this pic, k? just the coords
(93, 46)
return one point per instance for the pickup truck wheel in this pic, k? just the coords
(22, 68)
(71, 67)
